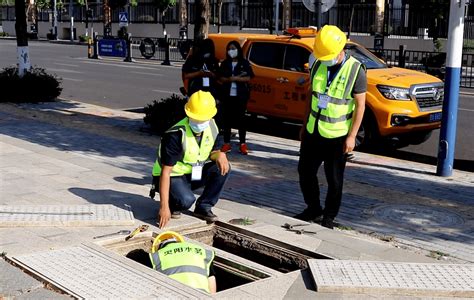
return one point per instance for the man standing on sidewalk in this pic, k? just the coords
(187, 161)
(338, 87)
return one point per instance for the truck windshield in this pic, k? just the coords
(364, 56)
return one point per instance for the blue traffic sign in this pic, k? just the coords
(123, 19)
(112, 47)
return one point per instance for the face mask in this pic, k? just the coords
(206, 55)
(329, 63)
(233, 53)
(198, 127)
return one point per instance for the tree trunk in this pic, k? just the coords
(163, 22)
(379, 15)
(107, 19)
(183, 19)
(201, 23)
(219, 16)
(24, 64)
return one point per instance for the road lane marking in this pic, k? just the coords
(465, 109)
(114, 64)
(145, 73)
(64, 71)
(72, 79)
(67, 65)
(162, 91)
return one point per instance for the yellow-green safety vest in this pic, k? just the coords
(193, 153)
(334, 120)
(185, 262)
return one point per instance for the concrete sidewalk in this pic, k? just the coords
(73, 153)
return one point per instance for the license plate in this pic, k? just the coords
(435, 117)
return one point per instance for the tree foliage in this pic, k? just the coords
(163, 5)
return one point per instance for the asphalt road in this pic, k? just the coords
(120, 85)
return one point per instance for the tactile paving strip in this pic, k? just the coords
(419, 279)
(88, 273)
(64, 215)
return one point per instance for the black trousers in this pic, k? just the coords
(315, 150)
(233, 116)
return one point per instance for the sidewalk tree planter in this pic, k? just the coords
(35, 86)
(162, 114)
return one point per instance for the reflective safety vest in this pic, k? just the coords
(334, 120)
(185, 262)
(193, 153)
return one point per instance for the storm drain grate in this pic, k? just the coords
(64, 215)
(393, 278)
(91, 273)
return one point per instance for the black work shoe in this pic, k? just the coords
(206, 215)
(175, 214)
(308, 216)
(328, 223)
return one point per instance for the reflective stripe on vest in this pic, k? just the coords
(185, 262)
(336, 119)
(193, 153)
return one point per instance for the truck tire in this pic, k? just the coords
(368, 132)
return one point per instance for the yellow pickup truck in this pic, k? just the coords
(400, 103)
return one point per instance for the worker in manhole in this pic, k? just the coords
(338, 88)
(185, 262)
(188, 159)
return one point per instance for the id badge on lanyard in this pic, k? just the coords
(196, 173)
(205, 81)
(323, 101)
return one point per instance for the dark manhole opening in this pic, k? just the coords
(265, 251)
(228, 274)
(259, 249)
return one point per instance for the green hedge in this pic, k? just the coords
(164, 113)
(35, 86)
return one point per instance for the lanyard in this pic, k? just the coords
(332, 75)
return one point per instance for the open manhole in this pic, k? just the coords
(259, 249)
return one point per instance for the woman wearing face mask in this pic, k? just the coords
(234, 73)
(200, 68)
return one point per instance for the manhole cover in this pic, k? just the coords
(418, 215)
(64, 215)
(388, 278)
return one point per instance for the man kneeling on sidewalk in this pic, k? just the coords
(187, 161)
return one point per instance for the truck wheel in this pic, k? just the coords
(367, 131)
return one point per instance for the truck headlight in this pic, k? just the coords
(394, 93)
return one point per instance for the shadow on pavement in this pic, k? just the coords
(143, 208)
(385, 148)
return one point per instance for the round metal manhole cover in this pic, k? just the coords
(418, 215)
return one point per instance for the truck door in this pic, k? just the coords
(266, 59)
(292, 83)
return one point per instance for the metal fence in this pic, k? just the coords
(421, 21)
(430, 62)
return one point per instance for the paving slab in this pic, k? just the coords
(393, 278)
(98, 156)
(64, 215)
(91, 272)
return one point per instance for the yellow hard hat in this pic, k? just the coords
(329, 42)
(167, 235)
(201, 106)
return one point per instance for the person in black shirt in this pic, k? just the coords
(338, 91)
(200, 68)
(235, 72)
(187, 160)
